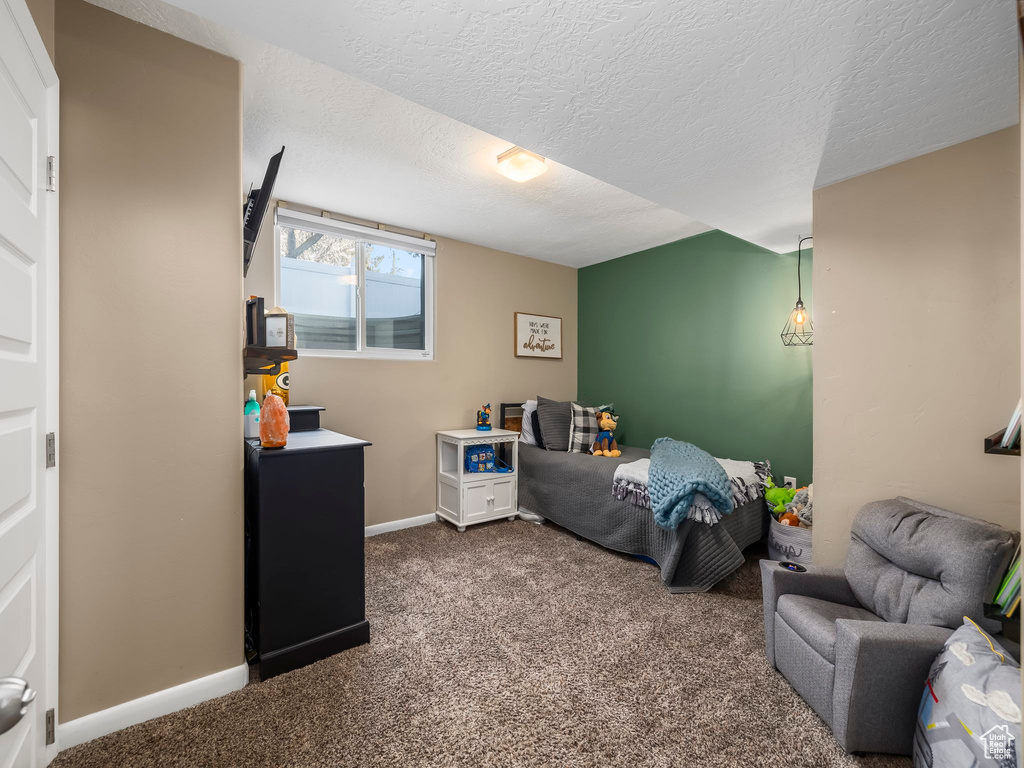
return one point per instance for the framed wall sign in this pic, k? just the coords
(538, 336)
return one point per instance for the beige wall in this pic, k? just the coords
(917, 336)
(399, 405)
(43, 15)
(150, 432)
(1020, 104)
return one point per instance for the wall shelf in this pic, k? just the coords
(992, 445)
(266, 360)
(1011, 625)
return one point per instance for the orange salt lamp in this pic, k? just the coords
(274, 422)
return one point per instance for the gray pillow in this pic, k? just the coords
(555, 418)
(970, 708)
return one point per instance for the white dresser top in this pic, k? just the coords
(472, 434)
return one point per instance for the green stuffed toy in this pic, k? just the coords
(776, 497)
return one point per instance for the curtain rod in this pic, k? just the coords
(359, 222)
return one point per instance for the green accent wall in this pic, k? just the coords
(684, 339)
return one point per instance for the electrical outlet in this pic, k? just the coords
(789, 482)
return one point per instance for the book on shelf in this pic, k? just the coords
(1011, 597)
(1012, 432)
(1008, 595)
(1013, 607)
(1014, 436)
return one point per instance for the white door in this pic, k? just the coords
(28, 371)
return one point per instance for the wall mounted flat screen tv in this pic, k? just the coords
(256, 208)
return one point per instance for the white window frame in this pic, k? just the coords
(336, 228)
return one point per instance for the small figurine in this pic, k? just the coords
(483, 419)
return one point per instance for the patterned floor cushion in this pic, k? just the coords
(970, 710)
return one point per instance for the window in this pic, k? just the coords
(355, 291)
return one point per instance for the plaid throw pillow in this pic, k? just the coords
(583, 430)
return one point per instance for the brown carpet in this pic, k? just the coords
(512, 645)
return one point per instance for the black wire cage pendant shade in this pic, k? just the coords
(799, 330)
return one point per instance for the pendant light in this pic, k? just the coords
(799, 330)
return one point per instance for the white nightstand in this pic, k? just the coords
(465, 498)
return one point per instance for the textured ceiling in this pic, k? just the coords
(729, 111)
(359, 150)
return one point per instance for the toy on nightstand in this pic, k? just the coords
(604, 444)
(483, 419)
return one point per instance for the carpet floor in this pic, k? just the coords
(511, 644)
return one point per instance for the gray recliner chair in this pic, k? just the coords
(857, 642)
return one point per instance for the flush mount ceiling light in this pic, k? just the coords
(799, 330)
(521, 164)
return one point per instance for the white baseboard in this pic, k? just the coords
(397, 525)
(156, 704)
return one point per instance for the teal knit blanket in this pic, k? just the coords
(679, 471)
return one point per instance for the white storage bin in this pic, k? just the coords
(787, 542)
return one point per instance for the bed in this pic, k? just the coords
(574, 490)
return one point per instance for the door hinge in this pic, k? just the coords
(51, 173)
(51, 450)
(51, 727)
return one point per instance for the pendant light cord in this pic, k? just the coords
(799, 253)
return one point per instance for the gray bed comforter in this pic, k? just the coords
(573, 490)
